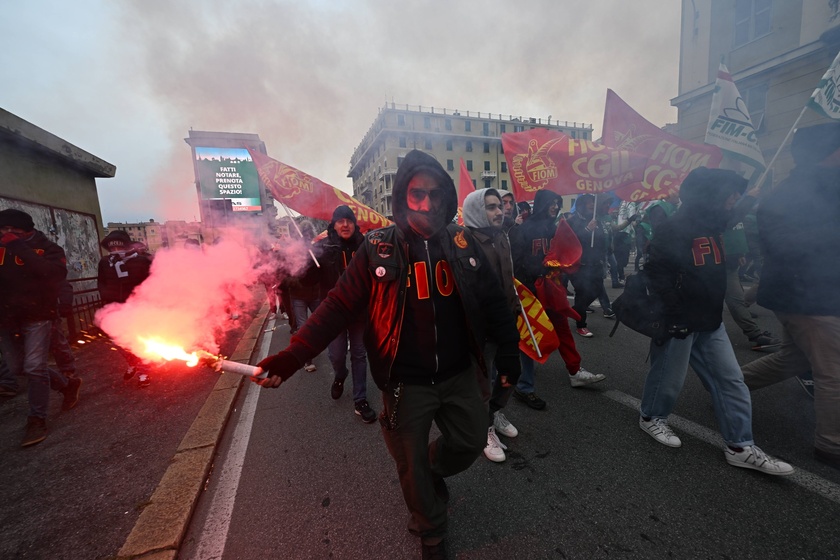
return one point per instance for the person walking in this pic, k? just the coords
(429, 298)
(687, 268)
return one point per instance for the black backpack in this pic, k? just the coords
(640, 308)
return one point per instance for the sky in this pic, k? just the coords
(126, 80)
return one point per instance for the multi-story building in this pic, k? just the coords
(776, 51)
(155, 235)
(447, 135)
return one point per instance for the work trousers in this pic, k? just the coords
(457, 408)
(808, 342)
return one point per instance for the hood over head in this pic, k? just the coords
(542, 200)
(419, 162)
(117, 241)
(707, 189)
(475, 215)
(16, 219)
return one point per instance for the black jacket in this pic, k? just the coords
(800, 240)
(531, 241)
(382, 272)
(31, 274)
(120, 272)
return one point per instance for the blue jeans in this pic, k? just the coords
(337, 351)
(26, 350)
(526, 378)
(302, 308)
(711, 356)
(60, 349)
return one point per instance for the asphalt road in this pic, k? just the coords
(299, 476)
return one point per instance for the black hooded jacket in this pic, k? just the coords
(800, 238)
(532, 240)
(430, 301)
(687, 263)
(32, 270)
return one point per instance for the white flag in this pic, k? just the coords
(730, 127)
(826, 99)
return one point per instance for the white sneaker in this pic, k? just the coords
(583, 377)
(503, 426)
(495, 450)
(754, 458)
(310, 367)
(658, 429)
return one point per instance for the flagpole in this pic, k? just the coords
(594, 212)
(778, 151)
(530, 330)
(289, 214)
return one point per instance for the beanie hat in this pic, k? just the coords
(342, 212)
(524, 207)
(813, 144)
(710, 187)
(116, 240)
(16, 219)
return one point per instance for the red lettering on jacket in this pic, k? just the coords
(701, 247)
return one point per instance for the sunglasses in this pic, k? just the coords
(419, 195)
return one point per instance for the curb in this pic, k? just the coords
(161, 527)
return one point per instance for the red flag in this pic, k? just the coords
(309, 196)
(465, 187)
(547, 159)
(671, 158)
(541, 326)
(565, 249)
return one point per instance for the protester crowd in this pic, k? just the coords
(432, 309)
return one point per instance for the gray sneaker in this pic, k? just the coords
(584, 377)
(658, 429)
(754, 458)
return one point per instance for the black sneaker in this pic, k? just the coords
(363, 409)
(35, 432)
(806, 381)
(531, 399)
(609, 314)
(129, 373)
(437, 551)
(765, 341)
(71, 393)
(337, 389)
(143, 380)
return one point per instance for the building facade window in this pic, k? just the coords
(473, 182)
(450, 165)
(502, 128)
(448, 124)
(468, 126)
(402, 141)
(752, 20)
(504, 185)
(487, 147)
(400, 120)
(427, 122)
(488, 183)
(486, 166)
(399, 160)
(756, 98)
(504, 167)
(469, 145)
(428, 144)
(449, 145)
(469, 165)
(485, 129)
(518, 128)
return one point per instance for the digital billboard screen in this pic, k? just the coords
(229, 173)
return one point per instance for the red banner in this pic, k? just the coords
(540, 325)
(565, 249)
(671, 158)
(547, 159)
(465, 187)
(309, 196)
